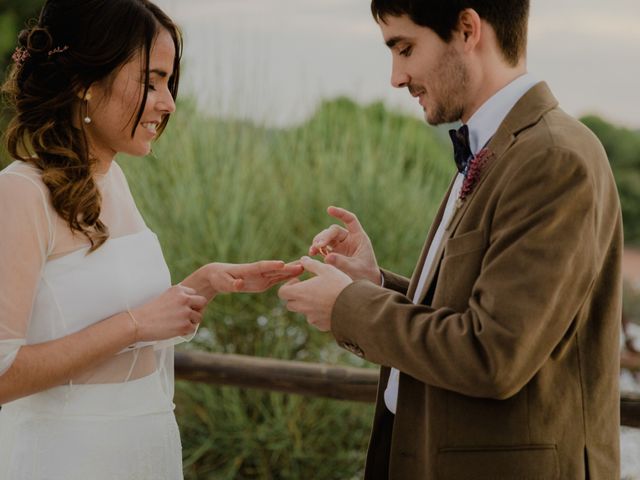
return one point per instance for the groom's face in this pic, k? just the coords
(432, 70)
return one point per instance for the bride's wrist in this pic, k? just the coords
(210, 276)
(134, 324)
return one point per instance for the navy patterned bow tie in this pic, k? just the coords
(461, 149)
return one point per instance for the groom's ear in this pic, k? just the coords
(469, 28)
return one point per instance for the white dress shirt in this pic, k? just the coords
(482, 126)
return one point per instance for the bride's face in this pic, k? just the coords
(114, 103)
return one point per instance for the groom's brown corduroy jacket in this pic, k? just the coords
(510, 363)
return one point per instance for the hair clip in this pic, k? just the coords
(20, 55)
(58, 50)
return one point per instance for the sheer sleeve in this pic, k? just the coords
(25, 240)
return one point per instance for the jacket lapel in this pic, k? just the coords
(526, 112)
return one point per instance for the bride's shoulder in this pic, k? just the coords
(22, 168)
(22, 181)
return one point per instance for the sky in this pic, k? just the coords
(274, 61)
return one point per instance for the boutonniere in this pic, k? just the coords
(473, 174)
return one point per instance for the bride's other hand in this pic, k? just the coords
(175, 313)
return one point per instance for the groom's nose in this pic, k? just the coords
(399, 78)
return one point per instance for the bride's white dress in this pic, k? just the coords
(115, 422)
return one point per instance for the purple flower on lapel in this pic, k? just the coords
(474, 171)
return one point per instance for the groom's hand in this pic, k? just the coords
(348, 249)
(315, 297)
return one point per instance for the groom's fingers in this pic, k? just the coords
(345, 216)
(294, 306)
(329, 237)
(314, 266)
(286, 291)
(339, 261)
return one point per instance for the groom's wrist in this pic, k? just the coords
(376, 277)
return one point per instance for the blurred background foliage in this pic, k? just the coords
(623, 148)
(222, 190)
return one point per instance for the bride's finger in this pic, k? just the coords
(291, 274)
(266, 266)
(291, 270)
(275, 280)
(226, 282)
(197, 302)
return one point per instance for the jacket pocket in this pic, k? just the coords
(512, 462)
(459, 270)
(465, 243)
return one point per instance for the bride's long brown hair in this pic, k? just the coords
(74, 44)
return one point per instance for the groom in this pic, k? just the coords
(500, 355)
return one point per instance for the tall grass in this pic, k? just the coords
(235, 192)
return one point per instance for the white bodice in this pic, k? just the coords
(78, 290)
(52, 287)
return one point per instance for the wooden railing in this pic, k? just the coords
(315, 379)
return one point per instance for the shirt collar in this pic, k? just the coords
(484, 123)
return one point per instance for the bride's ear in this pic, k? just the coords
(84, 93)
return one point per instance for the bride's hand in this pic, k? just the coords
(250, 277)
(214, 278)
(176, 312)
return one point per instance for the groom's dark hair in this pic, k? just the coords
(508, 18)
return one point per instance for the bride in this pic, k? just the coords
(88, 316)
